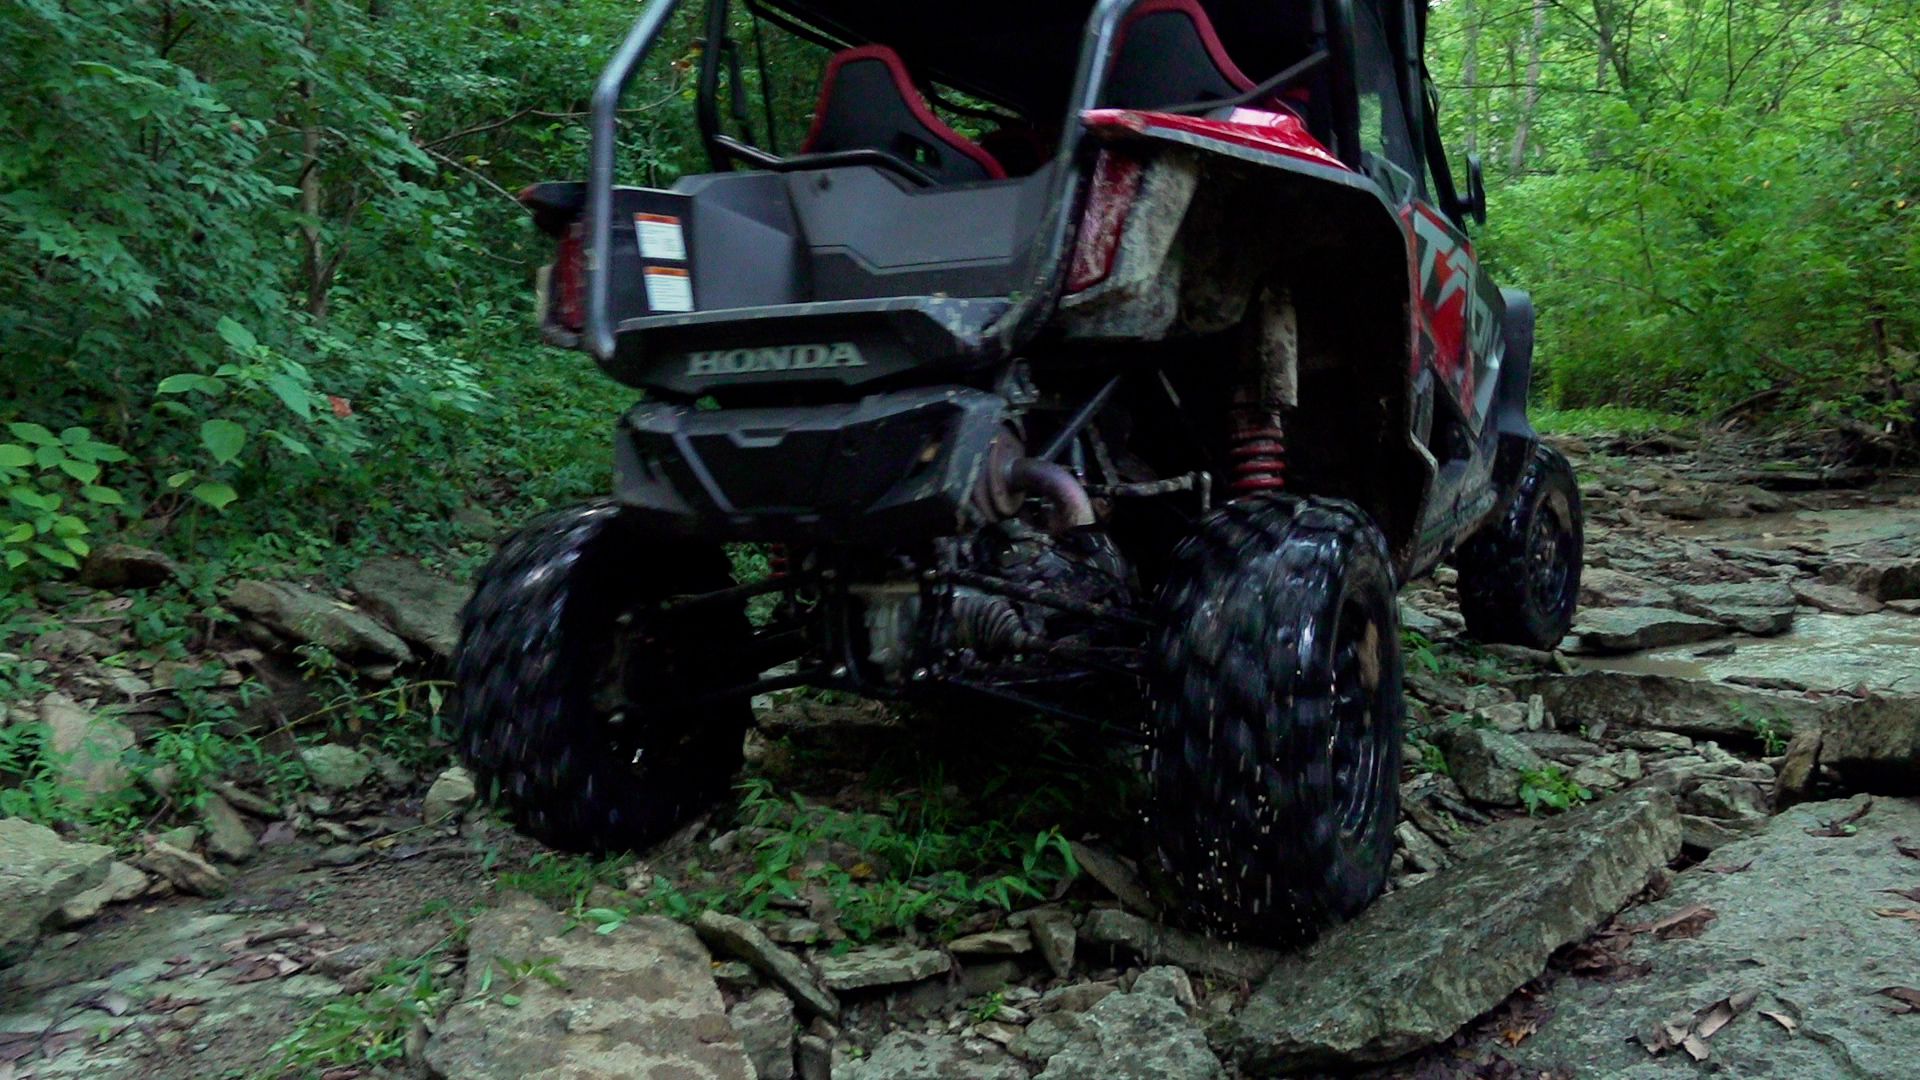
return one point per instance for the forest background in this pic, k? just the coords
(265, 295)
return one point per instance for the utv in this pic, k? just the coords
(1155, 390)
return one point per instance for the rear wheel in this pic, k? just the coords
(565, 656)
(1277, 711)
(1520, 574)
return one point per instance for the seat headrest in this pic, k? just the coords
(1170, 55)
(868, 102)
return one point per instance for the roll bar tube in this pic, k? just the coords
(604, 131)
(1089, 79)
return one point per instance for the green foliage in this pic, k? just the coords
(369, 1028)
(912, 860)
(1706, 204)
(1607, 419)
(1550, 789)
(54, 494)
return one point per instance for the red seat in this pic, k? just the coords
(868, 102)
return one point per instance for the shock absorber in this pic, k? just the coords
(1256, 450)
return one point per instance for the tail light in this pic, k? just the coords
(567, 282)
(1116, 180)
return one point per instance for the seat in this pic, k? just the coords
(1170, 55)
(868, 102)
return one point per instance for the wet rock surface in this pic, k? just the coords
(1419, 964)
(1800, 925)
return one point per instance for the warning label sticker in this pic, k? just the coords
(660, 237)
(669, 289)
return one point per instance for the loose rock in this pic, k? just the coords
(1881, 579)
(1762, 608)
(1609, 772)
(38, 873)
(451, 793)
(906, 1055)
(1834, 598)
(738, 937)
(1144, 1035)
(336, 767)
(422, 606)
(1053, 932)
(1631, 629)
(764, 1023)
(1413, 968)
(1156, 944)
(123, 566)
(123, 883)
(189, 872)
(637, 1001)
(242, 799)
(87, 748)
(1486, 763)
(1793, 779)
(1116, 877)
(886, 965)
(1602, 587)
(992, 943)
(228, 835)
(1874, 743)
(303, 616)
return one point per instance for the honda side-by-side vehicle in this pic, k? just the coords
(1153, 390)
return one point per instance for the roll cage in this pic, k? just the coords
(977, 65)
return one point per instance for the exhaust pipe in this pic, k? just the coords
(1010, 476)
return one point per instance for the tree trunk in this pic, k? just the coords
(1524, 124)
(1470, 73)
(311, 195)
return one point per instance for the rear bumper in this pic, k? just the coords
(889, 468)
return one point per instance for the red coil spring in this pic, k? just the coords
(1257, 456)
(777, 560)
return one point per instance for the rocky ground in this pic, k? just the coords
(1682, 842)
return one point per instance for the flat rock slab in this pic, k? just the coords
(1874, 743)
(1837, 599)
(1631, 629)
(38, 873)
(1421, 962)
(735, 936)
(421, 606)
(639, 1001)
(888, 965)
(1761, 608)
(1156, 944)
(1603, 587)
(1697, 708)
(1797, 926)
(293, 612)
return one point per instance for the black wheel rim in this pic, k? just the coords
(1549, 567)
(1355, 753)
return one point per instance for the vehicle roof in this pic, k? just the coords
(1022, 53)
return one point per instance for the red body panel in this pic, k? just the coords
(1275, 132)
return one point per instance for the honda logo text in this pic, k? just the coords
(840, 354)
